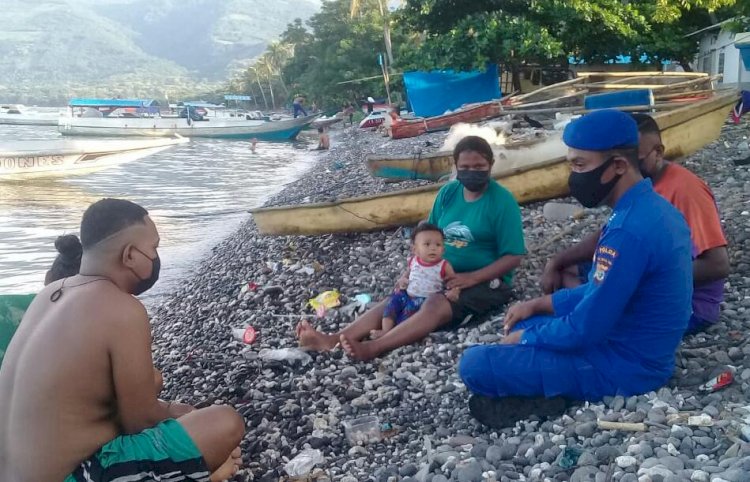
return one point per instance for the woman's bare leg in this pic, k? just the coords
(315, 340)
(434, 313)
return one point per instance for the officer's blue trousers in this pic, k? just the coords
(527, 371)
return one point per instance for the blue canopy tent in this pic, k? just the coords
(744, 48)
(433, 93)
(107, 106)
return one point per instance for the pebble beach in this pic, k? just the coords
(427, 434)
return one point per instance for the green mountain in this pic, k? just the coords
(55, 49)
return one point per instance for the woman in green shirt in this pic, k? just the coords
(483, 242)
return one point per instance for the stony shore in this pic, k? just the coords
(292, 406)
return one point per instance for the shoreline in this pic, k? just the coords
(415, 388)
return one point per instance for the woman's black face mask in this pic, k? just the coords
(474, 181)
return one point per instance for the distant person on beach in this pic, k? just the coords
(370, 105)
(297, 107)
(694, 199)
(349, 112)
(484, 243)
(253, 143)
(324, 142)
(425, 275)
(617, 333)
(78, 400)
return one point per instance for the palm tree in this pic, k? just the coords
(257, 78)
(264, 64)
(278, 55)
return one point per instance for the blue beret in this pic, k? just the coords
(602, 130)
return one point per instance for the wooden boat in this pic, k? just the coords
(325, 122)
(55, 158)
(470, 113)
(684, 130)
(430, 167)
(146, 123)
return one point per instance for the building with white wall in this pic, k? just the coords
(724, 53)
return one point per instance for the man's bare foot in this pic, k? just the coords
(312, 339)
(229, 468)
(356, 349)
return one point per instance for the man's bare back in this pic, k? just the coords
(57, 374)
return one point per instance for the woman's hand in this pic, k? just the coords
(453, 294)
(517, 313)
(461, 281)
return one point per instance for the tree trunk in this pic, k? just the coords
(257, 77)
(515, 73)
(270, 88)
(685, 65)
(386, 32)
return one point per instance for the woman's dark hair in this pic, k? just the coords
(476, 144)
(320, 130)
(423, 227)
(68, 260)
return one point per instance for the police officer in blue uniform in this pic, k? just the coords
(616, 334)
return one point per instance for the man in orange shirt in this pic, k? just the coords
(694, 199)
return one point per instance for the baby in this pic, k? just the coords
(425, 273)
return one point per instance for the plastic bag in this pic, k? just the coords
(285, 354)
(325, 301)
(303, 463)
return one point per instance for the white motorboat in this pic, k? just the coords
(16, 114)
(140, 118)
(57, 158)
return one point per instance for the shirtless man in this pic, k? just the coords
(78, 400)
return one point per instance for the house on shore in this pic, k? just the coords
(724, 53)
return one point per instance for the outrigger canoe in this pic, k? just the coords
(684, 131)
(435, 166)
(471, 113)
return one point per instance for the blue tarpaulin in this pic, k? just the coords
(78, 102)
(433, 93)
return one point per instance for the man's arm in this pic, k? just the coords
(620, 266)
(711, 265)
(133, 370)
(571, 256)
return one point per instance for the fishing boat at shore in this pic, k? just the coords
(139, 118)
(435, 166)
(685, 130)
(567, 94)
(470, 113)
(21, 160)
(16, 114)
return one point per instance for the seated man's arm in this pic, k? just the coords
(619, 267)
(711, 265)
(571, 256)
(133, 371)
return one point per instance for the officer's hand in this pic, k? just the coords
(512, 338)
(551, 278)
(517, 313)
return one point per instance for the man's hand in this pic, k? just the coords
(551, 277)
(512, 338)
(177, 409)
(453, 294)
(461, 281)
(519, 312)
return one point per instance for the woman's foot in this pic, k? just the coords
(311, 339)
(357, 350)
(229, 468)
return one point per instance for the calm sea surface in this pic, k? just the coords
(197, 194)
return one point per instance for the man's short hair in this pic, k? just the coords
(646, 124)
(107, 217)
(476, 144)
(424, 227)
(629, 153)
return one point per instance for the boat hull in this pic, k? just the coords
(413, 128)
(28, 120)
(684, 131)
(285, 130)
(49, 159)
